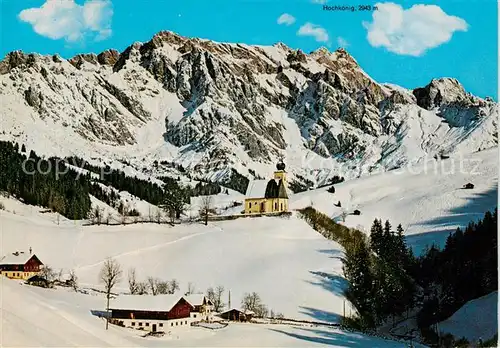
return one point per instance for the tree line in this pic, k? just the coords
(386, 280)
(465, 269)
(55, 184)
(44, 182)
(111, 274)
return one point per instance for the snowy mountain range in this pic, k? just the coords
(223, 111)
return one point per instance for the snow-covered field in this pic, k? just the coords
(34, 317)
(427, 199)
(293, 268)
(474, 320)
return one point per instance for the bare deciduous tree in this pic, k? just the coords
(206, 207)
(253, 302)
(162, 287)
(110, 275)
(173, 286)
(73, 280)
(153, 285)
(215, 296)
(48, 273)
(133, 286)
(142, 288)
(97, 215)
(59, 275)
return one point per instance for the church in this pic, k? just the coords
(268, 196)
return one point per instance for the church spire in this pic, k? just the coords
(280, 165)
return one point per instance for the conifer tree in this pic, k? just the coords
(376, 237)
(357, 269)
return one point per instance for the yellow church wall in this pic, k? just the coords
(280, 175)
(253, 205)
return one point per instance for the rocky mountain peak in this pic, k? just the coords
(16, 59)
(78, 60)
(322, 51)
(108, 57)
(442, 91)
(240, 106)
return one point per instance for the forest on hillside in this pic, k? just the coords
(56, 184)
(387, 282)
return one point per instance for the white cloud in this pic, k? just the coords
(309, 29)
(57, 19)
(319, 1)
(342, 42)
(286, 18)
(412, 31)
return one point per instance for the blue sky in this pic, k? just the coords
(407, 43)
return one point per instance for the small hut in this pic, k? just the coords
(237, 315)
(469, 186)
(37, 280)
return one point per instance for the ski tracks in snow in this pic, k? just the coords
(145, 249)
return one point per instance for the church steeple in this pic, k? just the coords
(280, 173)
(280, 165)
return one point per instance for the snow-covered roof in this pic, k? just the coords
(256, 189)
(195, 299)
(161, 303)
(246, 312)
(20, 258)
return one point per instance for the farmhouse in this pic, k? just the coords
(159, 313)
(20, 265)
(264, 197)
(203, 307)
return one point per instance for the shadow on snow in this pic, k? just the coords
(477, 204)
(331, 338)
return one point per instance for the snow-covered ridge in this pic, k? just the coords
(218, 108)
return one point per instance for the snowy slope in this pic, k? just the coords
(60, 318)
(476, 319)
(427, 198)
(296, 271)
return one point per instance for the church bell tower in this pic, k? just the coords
(280, 173)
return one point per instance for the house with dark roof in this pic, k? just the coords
(203, 307)
(235, 314)
(268, 196)
(160, 312)
(20, 265)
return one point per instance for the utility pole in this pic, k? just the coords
(229, 302)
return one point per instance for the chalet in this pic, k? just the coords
(263, 196)
(237, 315)
(156, 313)
(20, 265)
(203, 307)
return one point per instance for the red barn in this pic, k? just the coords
(20, 265)
(152, 313)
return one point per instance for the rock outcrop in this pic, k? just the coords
(243, 106)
